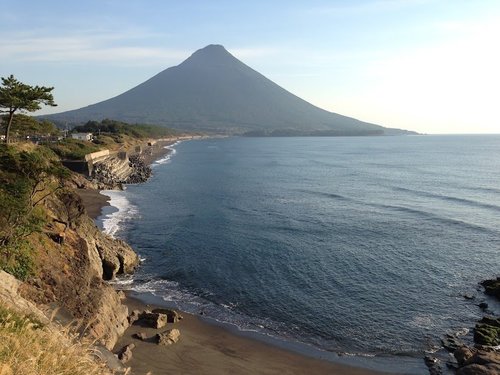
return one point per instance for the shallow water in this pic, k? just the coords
(361, 245)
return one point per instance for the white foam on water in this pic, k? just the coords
(111, 223)
(166, 158)
(122, 282)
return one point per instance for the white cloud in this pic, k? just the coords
(357, 7)
(86, 46)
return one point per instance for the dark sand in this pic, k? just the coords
(205, 348)
(93, 201)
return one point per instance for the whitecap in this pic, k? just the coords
(168, 156)
(112, 222)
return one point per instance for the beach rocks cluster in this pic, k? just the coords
(482, 358)
(153, 319)
(156, 318)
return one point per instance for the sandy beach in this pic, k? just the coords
(205, 348)
(93, 201)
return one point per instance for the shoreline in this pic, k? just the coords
(92, 198)
(212, 349)
(272, 353)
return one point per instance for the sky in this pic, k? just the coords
(431, 66)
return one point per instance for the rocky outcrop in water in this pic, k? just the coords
(484, 357)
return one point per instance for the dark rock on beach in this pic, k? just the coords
(125, 353)
(168, 337)
(134, 316)
(152, 319)
(172, 315)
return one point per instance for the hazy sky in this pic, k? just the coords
(427, 65)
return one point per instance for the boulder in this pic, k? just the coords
(492, 287)
(462, 354)
(172, 315)
(152, 319)
(134, 316)
(125, 353)
(168, 337)
(487, 331)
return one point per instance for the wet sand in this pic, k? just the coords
(93, 201)
(205, 348)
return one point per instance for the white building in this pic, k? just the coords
(82, 136)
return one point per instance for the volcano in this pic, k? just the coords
(214, 92)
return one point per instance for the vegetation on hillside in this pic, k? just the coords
(27, 347)
(107, 134)
(28, 175)
(73, 149)
(141, 131)
(24, 126)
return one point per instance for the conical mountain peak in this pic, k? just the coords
(213, 91)
(213, 54)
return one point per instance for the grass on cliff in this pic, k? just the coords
(73, 149)
(29, 174)
(29, 348)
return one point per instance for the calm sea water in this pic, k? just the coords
(362, 245)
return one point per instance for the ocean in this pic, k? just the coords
(358, 246)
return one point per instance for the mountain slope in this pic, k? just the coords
(214, 91)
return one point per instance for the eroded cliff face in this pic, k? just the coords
(74, 258)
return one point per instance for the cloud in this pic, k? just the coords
(358, 7)
(87, 46)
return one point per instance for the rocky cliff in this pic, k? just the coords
(74, 258)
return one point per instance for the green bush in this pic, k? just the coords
(18, 260)
(26, 179)
(73, 149)
(140, 131)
